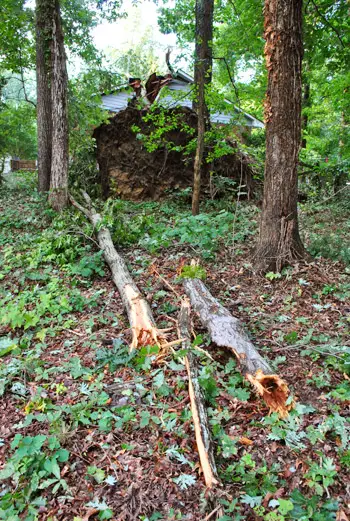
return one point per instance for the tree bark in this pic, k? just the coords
(199, 413)
(43, 22)
(143, 327)
(279, 241)
(305, 117)
(227, 331)
(202, 77)
(59, 168)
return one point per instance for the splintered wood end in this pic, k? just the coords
(273, 390)
(145, 337)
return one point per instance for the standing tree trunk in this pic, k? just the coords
(279, 241)
(202, 76)
(59, 168)
(43, 13)
(306, 105)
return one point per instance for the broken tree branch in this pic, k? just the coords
(143, 327)
(227, 331)
(199, 413)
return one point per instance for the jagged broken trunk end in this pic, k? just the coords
(143, 326)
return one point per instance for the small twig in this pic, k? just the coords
(327, 22)
(75, 332)
(173, 343)
(236, 209)
(333, 195)
(180, 98)
(222, 58)
(312, 348)
(197, 348)
(168, 285)
(79, 206)
(212, 513)
(77, 232)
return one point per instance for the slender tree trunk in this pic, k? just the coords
(59, 169)
(306, 104)
(341, 175)
(279, 241)
(202, 76)
(43, 81)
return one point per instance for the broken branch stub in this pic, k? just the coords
(227, 331)
(144, 330)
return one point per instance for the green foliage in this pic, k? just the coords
(85, 114)
(161, 122)
(154, 226)
(193, 272)
(184, 481)
(321, 475)
(329, 225)
(18, 131)
(114, 357)
(33, 466)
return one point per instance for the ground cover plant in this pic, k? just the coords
(91, 431)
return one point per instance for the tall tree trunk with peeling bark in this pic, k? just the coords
(59, 167)
(43, 21)
(279, 241)
(202, 77)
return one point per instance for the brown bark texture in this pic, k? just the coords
(199, 413)
(143, 327)
(59, 167)
(43, 26)
(279, 241)
(228, 332)
(202, 77)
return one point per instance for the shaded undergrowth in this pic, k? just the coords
(94, 432)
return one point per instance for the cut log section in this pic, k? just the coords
(144, 330)
(199, 413)
(227, 331)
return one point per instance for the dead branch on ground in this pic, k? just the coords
(227, 331)
(199, 413)
(144, 329)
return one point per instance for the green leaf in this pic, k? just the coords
(285, 506)
(184, 481)
(7, 345)
(47, 483)
(52, 467)
(145, 418)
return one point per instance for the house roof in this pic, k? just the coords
(180, 82)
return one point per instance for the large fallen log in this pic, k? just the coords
(199, 413)
(227, 331)
(144, 330)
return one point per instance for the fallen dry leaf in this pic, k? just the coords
(89, 513)
(245, 441)
(341, 516)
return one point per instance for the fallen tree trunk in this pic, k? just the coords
(199, 413)
(227, 331)
(144, 330)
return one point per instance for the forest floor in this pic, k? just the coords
(89, 431)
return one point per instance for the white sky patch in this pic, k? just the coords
(128, 32)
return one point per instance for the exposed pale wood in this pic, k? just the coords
(199, 413)
(227, 331)
(144, 330)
